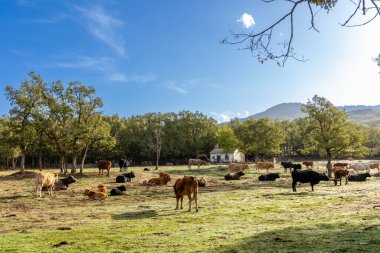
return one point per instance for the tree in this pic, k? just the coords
(261, 137)
(294, 136)
(226, 138)
(263, 44)
(330, 132)
(155, 123)
(372, 141)
(25, 102)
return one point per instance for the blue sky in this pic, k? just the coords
(165, 56)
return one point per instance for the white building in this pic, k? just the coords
(218, 155)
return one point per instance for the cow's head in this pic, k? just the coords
(240, 173)
(323, 177)
(70, 180)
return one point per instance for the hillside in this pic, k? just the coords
(361, 114)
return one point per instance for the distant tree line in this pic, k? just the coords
(52, 124)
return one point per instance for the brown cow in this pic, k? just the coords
(308, 164)
(102, 188)
(375, 166)
(339, 173)
(104, 165)
(95, 195)
(264, 166)
(162, 179)
(236, 167)
(186, 186)
(47, 179)
(340, 165)
(198, 162)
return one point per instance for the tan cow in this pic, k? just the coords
(375, 166)
(95, 194)
(235, 167)
(198, 162)
(104, 165)
(47, 179)
(162, 179)
(264, 166)
(308, 164)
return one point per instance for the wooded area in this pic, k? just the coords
(52, 124)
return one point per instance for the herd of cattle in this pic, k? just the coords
(188, 185)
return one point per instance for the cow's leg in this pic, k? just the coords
(196, 201)
(346, 179)
(177, 199)
(294, 186)
(108, 173)
(312, 187)
(99, 172)
(36, 190)
(189, 166)
(181, 201)
(189, 196)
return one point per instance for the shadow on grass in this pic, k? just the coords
(321, 237)
(13, 197)
(136, 215)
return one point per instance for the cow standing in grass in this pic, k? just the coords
(104, 165)
(198, 162)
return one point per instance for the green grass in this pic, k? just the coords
(234, 216)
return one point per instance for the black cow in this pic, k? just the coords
(123, 163)
(286, 165)
(121, 179)
(269, 177)
(129, 176)
(359, 177)
(307, 176)
(62, 184)
(118, 190)
(296, 166)
(234, 176)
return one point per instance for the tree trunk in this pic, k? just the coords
(8, 163)
(63, 164)
(329, 166)
(40, 161)
(83, 159)
(22, 164)
(74, 168)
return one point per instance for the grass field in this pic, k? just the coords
(234, 216)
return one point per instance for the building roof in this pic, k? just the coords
(217, 151)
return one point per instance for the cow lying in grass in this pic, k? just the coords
(359, 177)
(126, 177)
(236, 167)
(102, 188)
(162, 179)
(186, 186)
(95, 194)
(307, 176)
(269, 177)
(234, 176)
(47, 179)
(118, 190)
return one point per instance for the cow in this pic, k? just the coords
(360, 166)
(287, 165)
(339, 173)
(104, 165)
(359, 177)
(123, 164)
(62, 184)
(201, 181)
(308, 164)
(198, 162)
(95, 194)
(162, 179)
(102, 188)
(186, 186)
(269, 177)
(118, 190)
(296, 166)
(235, 167)
(47, 179)
(234, 176)
(307, 176)
(264, 165)
(339, 164)
(375, 166)
(126, 177)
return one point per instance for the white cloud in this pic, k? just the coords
(121, 77)
(104, 27)
(85, 63)
(176, 87)
(227, 116)
(247, 20)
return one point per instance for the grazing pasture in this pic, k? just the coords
(245, 215)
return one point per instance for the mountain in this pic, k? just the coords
(361, 114)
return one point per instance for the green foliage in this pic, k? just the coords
(261, 137)
(372, 141)
(226, 138)
(325, 4)
(329, 131)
